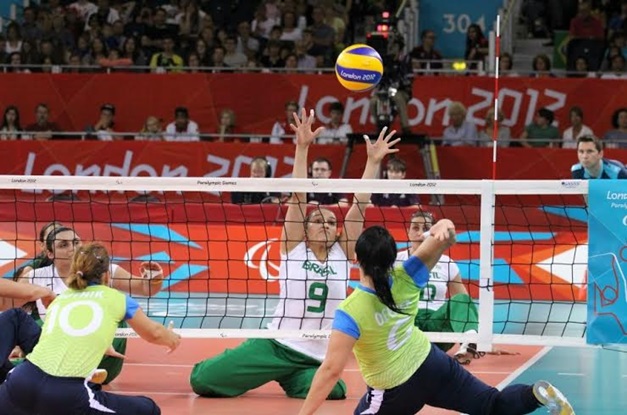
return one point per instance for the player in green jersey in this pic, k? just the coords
(79, 328)
(402, 369)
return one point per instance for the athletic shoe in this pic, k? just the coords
(549, 396)
(99, 376)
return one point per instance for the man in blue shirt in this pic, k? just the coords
(592, 165)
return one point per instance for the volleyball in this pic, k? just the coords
(359, 68)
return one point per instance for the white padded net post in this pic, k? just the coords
(521, 250)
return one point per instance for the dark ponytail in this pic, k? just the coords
(376, 254)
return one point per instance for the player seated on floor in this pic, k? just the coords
(60, 245)
(402, 369)
(80, 326)
(455, 314)
(313, 277)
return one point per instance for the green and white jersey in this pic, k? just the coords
(435, 294)
(310, 292)
(389, 347)
(79, 328)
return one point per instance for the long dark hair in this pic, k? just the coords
(376, 254)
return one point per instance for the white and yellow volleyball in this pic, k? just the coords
(359, 68)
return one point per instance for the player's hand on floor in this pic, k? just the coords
(174, 339)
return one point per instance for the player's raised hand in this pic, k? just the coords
(302, 127)
(382, 147)
(444, 231)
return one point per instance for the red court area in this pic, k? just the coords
(165, 378)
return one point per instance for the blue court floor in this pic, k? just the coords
(594, 380)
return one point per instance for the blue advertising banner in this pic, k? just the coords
(449, 19)
(607, 262)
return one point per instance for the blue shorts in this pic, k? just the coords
(29, 390)
(443, 383)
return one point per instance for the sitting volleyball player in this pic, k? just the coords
(313, 279)
(81, 323)
(402, 369)
(61, 243)
(456, 314)
(16, 326)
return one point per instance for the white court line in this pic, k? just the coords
(569, 374)
(477, 372)
(523, 368)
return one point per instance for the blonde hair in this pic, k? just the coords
(90, 262)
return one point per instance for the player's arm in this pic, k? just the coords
(293, 229)
(150, 331)
(455, 285)
(13, 294)
(329, 373)
(427, 255)
(354, 220)
(146, 285)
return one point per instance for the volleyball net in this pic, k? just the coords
(521, 246)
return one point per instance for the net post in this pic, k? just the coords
(486, 251)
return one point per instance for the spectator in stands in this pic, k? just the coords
(189, 20)
(151, 131)
(541, 66)
(425, 56)
(396, 169)
(246, 44)
(336, 131)
(460, 132)
(182, 128)
(232, 57)
(16, 65)
(321, 169)
(576, 130)
(280, 128)
(105, 13)
(585, 25)
(103, 129)
(476, 45)
(259, 168)
(166, 59)
(582, 69)
(132, 52)
(541, 131)
(323, 34)
(10, 124)
(291, 64)
(43, 128)
(14, 39)
(617, 23)
(617, 69)
(83, 9)
(30, 29)
(592, 165)
(504, 134)
(271, 56)
(203, 52)
(619, 122)
(262, 24)
(289, 30)
(193, 63)
(4, 57)
(305, 61)
(218, 58)
(506, 64)
(98, 52)
(61, 37)
(226, 127)
(160, 30)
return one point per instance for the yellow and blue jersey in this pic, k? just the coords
(79, 328)
(389, 347)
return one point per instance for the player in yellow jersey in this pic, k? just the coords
(402, 369)
(79, 327)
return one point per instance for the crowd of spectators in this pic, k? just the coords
(168, 35)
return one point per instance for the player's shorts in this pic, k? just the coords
(29, 390)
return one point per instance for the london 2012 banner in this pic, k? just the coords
(607, 262)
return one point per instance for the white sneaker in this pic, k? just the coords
(549, 396)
